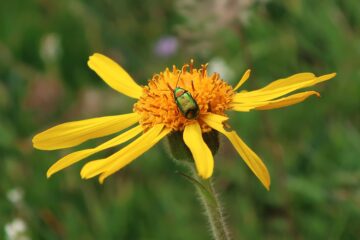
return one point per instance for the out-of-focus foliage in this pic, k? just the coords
(312, 149)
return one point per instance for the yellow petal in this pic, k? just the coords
(246, 107)
(281, 87)
(73, 133)
(244, 78)
(124, 156)
(201, 153)
(287, 101)
(251, 159)
(94, 168)
(215, 117)
(125, 160)
(278, 103)
(79, 155)
(294, 79)
(297, 78)
(114, 75)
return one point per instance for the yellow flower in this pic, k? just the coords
(156, 114)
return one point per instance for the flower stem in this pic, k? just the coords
(211, 204)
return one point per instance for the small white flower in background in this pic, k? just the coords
(50, 47)
(219, 65)
(16, 230)
(244, 17)
(166, 46)
(15, 195)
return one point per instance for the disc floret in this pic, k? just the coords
(158, 105)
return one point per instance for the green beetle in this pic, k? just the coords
(185, 102)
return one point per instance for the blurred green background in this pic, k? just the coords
(311, 149)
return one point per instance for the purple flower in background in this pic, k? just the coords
(166, 46)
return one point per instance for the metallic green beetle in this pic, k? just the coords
(185, 102)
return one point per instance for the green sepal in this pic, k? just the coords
(179, 151)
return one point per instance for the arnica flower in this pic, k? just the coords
(184, 100)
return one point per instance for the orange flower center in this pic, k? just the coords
(158, 104)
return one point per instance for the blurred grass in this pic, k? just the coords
(311, 149)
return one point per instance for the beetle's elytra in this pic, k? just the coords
(186, 103)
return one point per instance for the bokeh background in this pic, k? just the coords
(311, 149)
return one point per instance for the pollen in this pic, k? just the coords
(157, 103)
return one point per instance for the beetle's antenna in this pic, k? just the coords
(178, 79)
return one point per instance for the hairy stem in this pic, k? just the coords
(212, 206)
